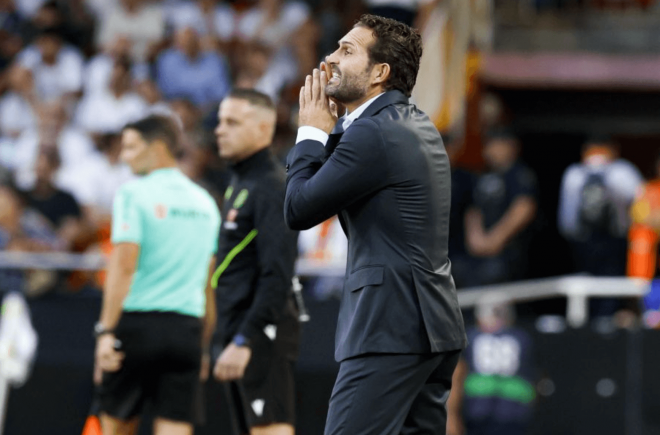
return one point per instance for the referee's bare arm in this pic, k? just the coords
(122, 265)
(209, 322)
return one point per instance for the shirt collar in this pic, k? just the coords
(348, 119)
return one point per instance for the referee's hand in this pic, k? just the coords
(108, 358)
(231, 364)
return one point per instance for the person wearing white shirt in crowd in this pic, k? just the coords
(283, 30)
(593, 216)
(57, 67)
(108, 111)
(16, 106)
(98, 70)
(327, 245)
(210, 18)
(53, 130)
(27, 8)
(95, 183)
(141, 22)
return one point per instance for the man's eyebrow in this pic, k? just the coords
(345, 43)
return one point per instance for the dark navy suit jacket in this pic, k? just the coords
(388, 178)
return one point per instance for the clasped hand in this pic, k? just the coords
(316, 109)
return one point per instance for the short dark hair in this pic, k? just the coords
(158, 127)
(398, 45)
(254, 97)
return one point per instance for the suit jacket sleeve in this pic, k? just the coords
(318, 188)
(276, 255)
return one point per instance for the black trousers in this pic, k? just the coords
(392, 394)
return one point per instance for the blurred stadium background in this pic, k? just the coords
(554, 74)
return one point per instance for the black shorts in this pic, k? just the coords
(161, 367)
(266, 394)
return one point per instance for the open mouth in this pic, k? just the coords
(335, 78)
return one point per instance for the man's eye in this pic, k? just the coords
(347, 52)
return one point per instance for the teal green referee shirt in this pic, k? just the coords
(176, 224)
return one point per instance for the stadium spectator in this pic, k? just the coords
(504, 205)
(150, 93)
(141, 22)
(405, 11)
(282, 33)
(17, 105)
(494, 382)
(58, 206)
(57, 67)
(462, 187)
(25, 230)
(213, 20)
(99, 68)
(53, 130)
(95, 182)
(595, 198)
(12, 34)
(325, 244)
(107, 112)
(187, 71)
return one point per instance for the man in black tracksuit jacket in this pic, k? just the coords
(257, 319)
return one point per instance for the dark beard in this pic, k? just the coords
(352, 90)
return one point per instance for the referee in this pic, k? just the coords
(158, 310)
(257, 322)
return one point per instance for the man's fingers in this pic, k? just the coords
(308, 88)
(316, 85)
(301, 97)
(324, 82)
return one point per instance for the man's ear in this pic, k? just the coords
(380, 73)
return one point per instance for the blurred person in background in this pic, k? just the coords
(213, 20)
(406, 11)
(258, 328)
(53, 130)
(98, 70)
(462, 188)
(148, 90)
(17, 106)
(157, 300)
(12, 35)
(23, 229)
(95, 182)
(188, 71)
(497, 225)
(57, 205)
(106, 112)
(593, 215)
(325, 244)
(285, 33)
(495, 378)
(57, 67)
(199, 158)
(141, 22)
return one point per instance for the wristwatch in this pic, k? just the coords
(100, 329)
(241, 340)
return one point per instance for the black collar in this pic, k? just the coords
(259, 160)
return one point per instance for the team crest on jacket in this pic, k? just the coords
(231, 216)
(241, 198)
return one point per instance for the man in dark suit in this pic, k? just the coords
(384, 170)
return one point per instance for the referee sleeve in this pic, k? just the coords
(126, 219)
(276, 255)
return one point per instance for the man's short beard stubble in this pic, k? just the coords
(352, 89)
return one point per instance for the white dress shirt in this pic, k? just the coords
(308, 132)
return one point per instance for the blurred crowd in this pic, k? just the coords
(73, 72)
